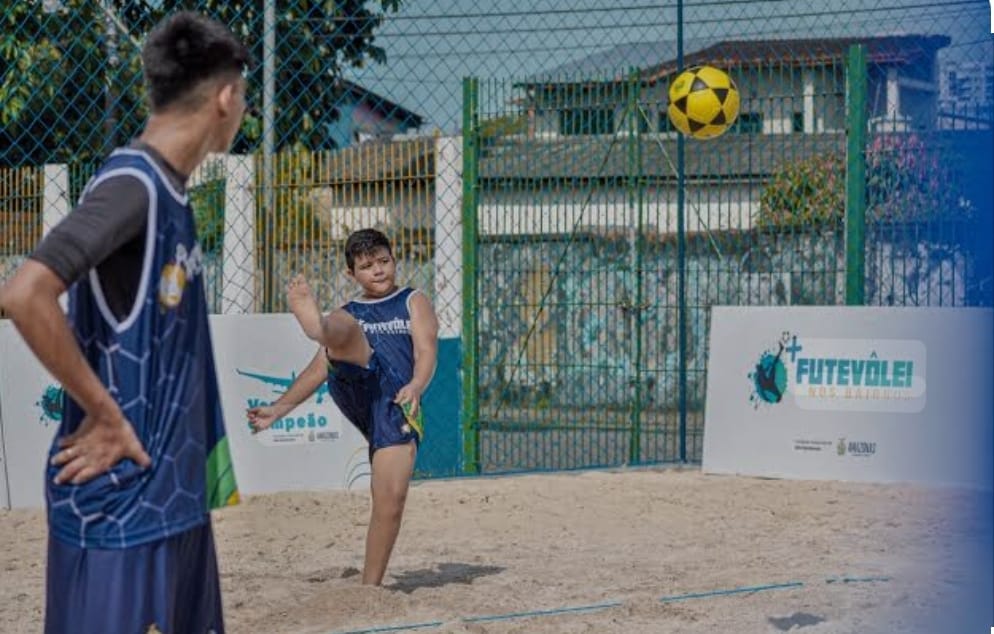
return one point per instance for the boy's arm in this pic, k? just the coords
(306, 383)
(424, 332)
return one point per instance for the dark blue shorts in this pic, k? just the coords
(171, 584)
(365, 396)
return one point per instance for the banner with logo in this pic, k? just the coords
(30, 410)
(258, 356)
(851, 393)
(4, 490)
(312, 447)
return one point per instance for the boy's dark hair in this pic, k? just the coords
(364, 242)
(184, 50)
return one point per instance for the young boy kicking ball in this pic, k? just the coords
(378, 356)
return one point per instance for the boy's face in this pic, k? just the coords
(375, 272)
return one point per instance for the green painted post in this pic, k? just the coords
(471, 369)
(681, 255)
(635, 201)
(856, 176)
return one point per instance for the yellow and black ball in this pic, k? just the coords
(704, 102)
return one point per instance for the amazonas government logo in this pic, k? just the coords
(841, 374)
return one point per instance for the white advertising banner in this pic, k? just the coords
(851, 393)
(258, 356)
(314, 446)
(31, 407)
(4, 491)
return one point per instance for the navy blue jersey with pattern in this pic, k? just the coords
(365, 395)
(158, 364)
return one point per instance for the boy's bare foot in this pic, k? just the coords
(304, 307)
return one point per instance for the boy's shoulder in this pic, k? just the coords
(417, 292)
(425, 314)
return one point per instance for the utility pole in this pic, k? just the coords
(110, 76)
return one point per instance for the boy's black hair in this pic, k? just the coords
(364, 242)
(184, 50)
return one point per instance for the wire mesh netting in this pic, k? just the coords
(522, 159)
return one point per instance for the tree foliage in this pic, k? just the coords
(58, 67)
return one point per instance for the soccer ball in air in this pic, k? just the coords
(704, 102)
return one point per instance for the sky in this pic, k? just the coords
(431, 46)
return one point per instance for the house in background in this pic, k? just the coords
(787, 86)
(966, 94)
(572, 161)
(365, 115)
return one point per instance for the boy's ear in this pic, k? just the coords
(226, 99)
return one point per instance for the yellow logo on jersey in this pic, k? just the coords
(171, 285)
(178, 273)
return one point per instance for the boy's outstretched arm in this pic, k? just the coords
(424, 333)
(306, 383)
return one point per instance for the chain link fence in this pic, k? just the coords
(520, 157)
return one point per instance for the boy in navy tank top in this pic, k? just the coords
(378, 356)
(141, 454)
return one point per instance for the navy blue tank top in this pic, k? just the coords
(387, 324)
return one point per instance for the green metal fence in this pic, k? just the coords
(576, 282)
(603, 237)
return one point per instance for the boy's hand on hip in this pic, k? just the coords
(101, 441)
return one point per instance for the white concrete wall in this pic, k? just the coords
(731, 206)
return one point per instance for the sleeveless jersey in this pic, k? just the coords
(366, 395)
(387, 325)
(158, 364)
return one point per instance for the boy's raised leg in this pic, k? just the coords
(304, 307)
(337, 331)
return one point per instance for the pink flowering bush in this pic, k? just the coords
(907, 180)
